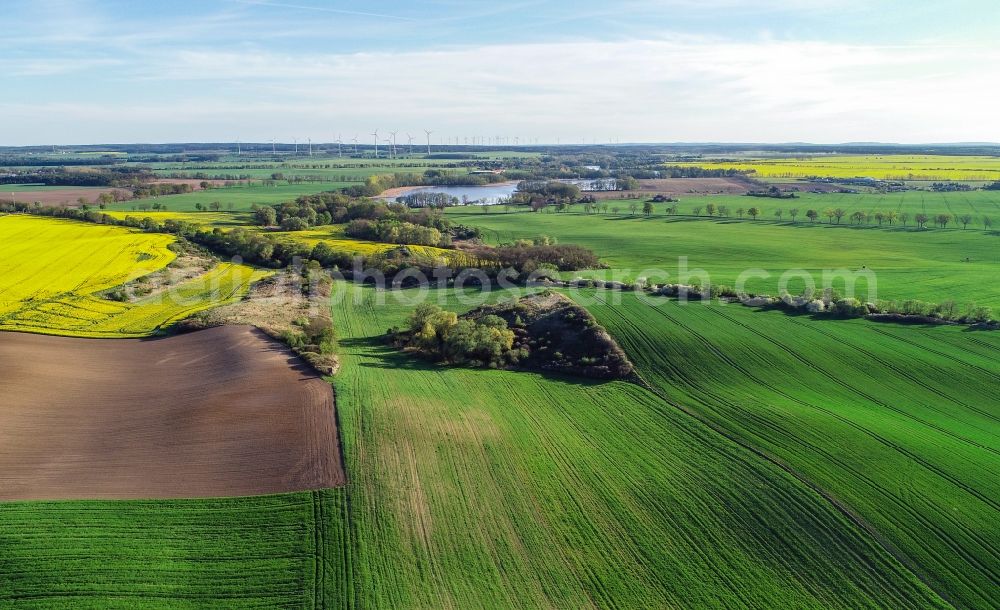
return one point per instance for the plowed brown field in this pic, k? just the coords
(220, 412)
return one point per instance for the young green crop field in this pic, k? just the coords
(238, 197)
(899, 423)
(53, 273)
(978, 205)
(882, 167)
(478, 488)
(281, 551)
(473, 488)
(929, 265)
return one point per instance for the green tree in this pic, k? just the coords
(266, 216)
(647, 208)
(812, 215)
(754, 212)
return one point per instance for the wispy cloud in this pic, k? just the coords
(483, 67)
(322, 9)
(679, 88)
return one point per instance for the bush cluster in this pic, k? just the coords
(442, 335)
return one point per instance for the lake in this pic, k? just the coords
(490, 194)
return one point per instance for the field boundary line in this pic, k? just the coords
(841, 507)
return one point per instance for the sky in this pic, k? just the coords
(824, 71)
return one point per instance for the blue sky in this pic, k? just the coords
(636, 70)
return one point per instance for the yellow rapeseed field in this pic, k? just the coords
(333, 236)
(881, 167)
(53, 273)
(206, 219)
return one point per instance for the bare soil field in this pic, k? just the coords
(673, 187)
(59, 197)
(220, 412)
(69, 196)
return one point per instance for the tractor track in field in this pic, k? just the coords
(875, 401)
(839, 506)
(842, 507)
(906, 375)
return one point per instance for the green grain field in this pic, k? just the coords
(977, 204)
(478, 488)
(239, 197)
(932, 265)
(899, 423)
(282, 551)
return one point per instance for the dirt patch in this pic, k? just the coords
(675, 187)
(188, 265)
(69, 196)
(281, 309)
(65, 197)
(807, 187)
(221, 412)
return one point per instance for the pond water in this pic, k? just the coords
(489, 194)
(492, 194)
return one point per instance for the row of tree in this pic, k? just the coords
(338, 208)
(832, 215)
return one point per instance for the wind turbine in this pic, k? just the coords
(355, 140)
(375, 133)
(409, 143)
(296, 140)
(274, 151)
(310, 147)
(340, 144)
(239, 151)
(428, 140)
(393, 149)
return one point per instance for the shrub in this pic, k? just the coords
(976, 314)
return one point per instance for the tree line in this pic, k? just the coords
(832, 215)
